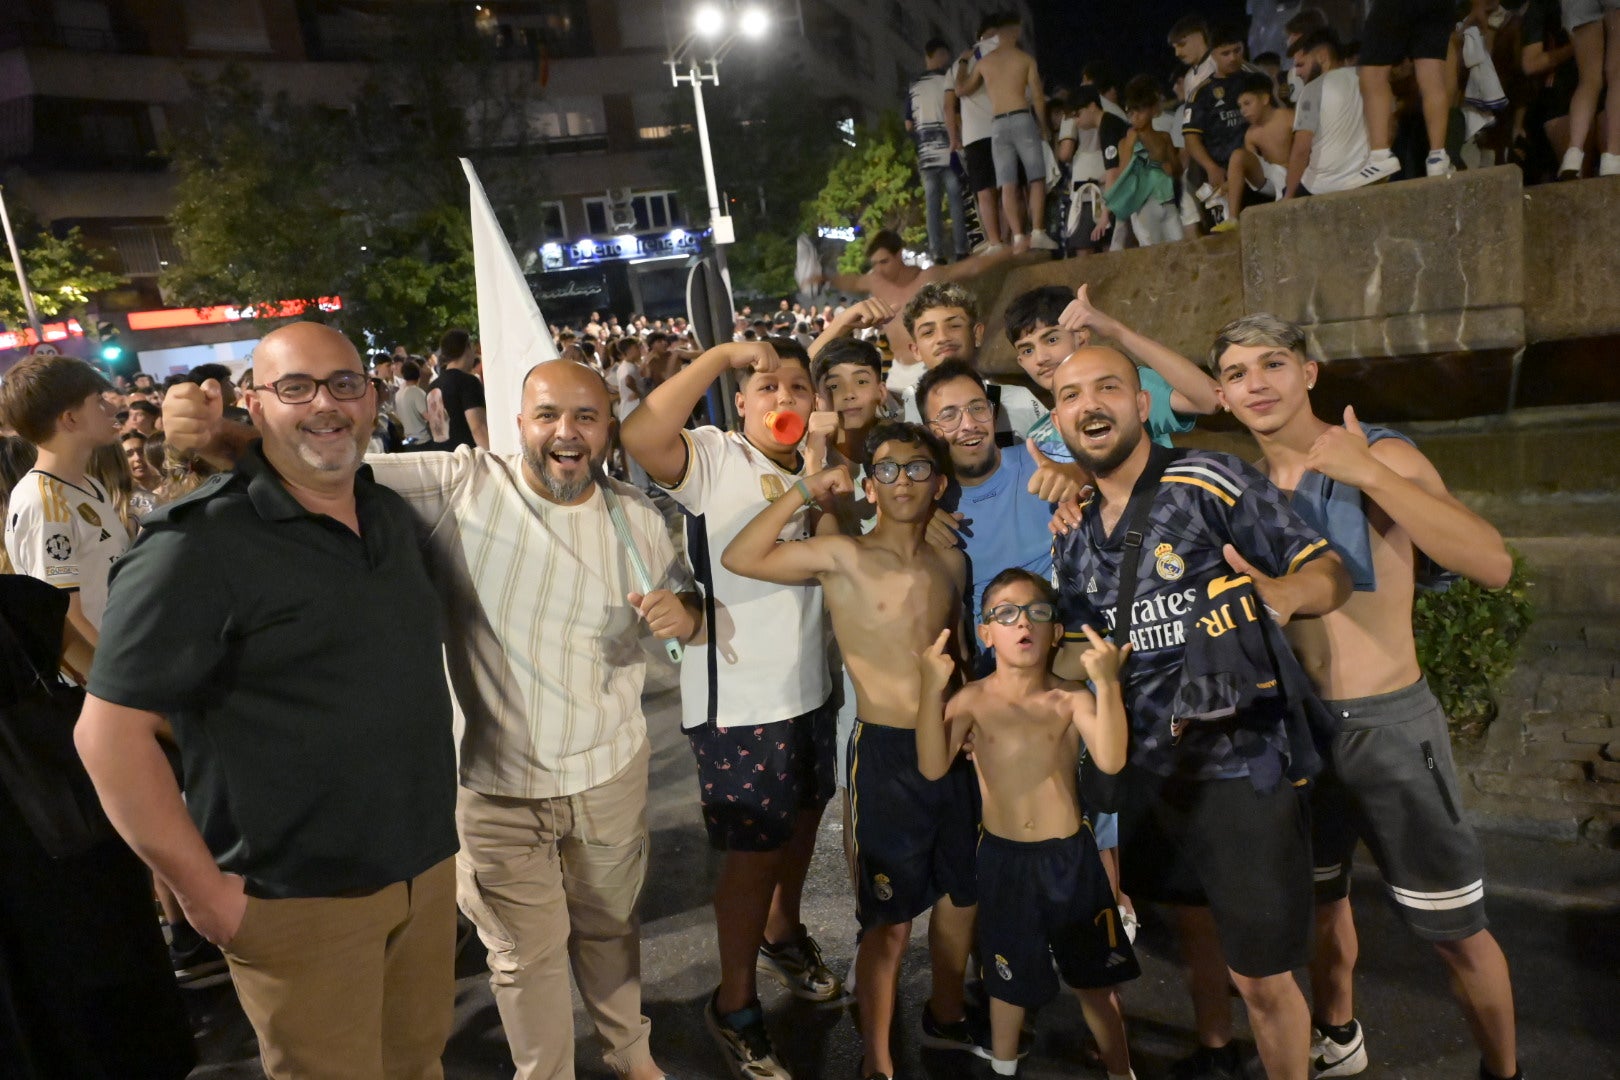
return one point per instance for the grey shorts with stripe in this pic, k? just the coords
(1391, 782)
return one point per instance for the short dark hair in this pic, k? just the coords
(1305, 21)
(1228, 33)
(885, 240)
(1085, 97)
(887, 431)
(939, 294)
(1100, 73)
(1142, 92)
(410, 370)
(145, 407)
(1324, 38)
(935, 45)
(42, 388)
(1012, 575)
(1037, 307)
(846, 350)
(139, 375)
(786, 348)
(1267, 57)
(1186, 26)
(454, 344)
(944, 373)
(1258, 82)
(203, 372)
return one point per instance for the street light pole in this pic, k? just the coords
(720, 223)
(22, 277)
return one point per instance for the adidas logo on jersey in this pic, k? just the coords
(1091, 586)
(1115, 959)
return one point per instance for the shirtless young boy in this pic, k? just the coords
(1019, 127)
(1390, 780)
(890, 593)
(1043, 892)
(1261, 163)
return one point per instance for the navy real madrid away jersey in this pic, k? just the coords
(1203, 501)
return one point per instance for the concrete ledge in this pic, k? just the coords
(1417, 267)
(1572, 259)
(1180, 294)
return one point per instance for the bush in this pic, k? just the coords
(1467, 639)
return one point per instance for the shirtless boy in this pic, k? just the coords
(890, 594)
(891, 280)
(1261, 163)
(1390, 779)
(1019, 127)
(1043, 889)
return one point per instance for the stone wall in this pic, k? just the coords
(1427, 299)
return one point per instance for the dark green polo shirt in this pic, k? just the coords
(301, 667)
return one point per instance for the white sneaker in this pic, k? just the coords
(1439, 163)
(1129, 922)
(1570, 167)
(1378, 169)
(1609, 165)
(1040, 241)
(1329, 1058)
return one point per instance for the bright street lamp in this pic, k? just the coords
(754, 22)
(708, 21)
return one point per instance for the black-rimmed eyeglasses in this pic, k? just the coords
(301, 389)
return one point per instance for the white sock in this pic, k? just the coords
(1609, 165)
(1379, 155)
(1437, 155)
(1004, 1068)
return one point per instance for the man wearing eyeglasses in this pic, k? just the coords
(890, 594)
(316, 839)
(1001, 504)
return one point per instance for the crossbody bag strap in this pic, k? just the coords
(1136, 522)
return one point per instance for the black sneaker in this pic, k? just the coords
(797, 965)
(197, 962)
(747, 1048)
(956, 1035)
(1209, 1064)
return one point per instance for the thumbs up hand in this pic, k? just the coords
(1342, 453)
(1054, 481)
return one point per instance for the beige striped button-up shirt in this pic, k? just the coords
(545, 653)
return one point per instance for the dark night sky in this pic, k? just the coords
(1130, 34)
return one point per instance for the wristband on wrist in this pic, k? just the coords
(804, 490)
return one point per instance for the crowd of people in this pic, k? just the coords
(1046, 667)
(1049, 668)
(1430, 86)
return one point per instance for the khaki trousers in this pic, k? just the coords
(549, 882)
(351, 988)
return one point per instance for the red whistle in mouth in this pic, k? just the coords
(786, 427)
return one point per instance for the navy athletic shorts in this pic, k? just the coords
(1042, 902)
(914, 837)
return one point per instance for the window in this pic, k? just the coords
(596, 217)
(553, 222)
(656, 210)
(653, 115)
(145, 250)
(235, 26)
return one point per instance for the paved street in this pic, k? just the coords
(1556, 911)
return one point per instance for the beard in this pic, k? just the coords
(334, 458)
(563, 489)
(1111, 459)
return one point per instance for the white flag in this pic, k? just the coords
(511, 331)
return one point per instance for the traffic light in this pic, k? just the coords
(111, 350)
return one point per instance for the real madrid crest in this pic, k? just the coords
(1002, 969)
(1168, 563)
(881, 888)
(771, 487)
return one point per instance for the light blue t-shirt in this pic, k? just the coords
(1004, 525)
(1163, 421)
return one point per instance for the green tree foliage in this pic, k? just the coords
(282, 201)
(62, 272)
(1467, 639)
(874, 185)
